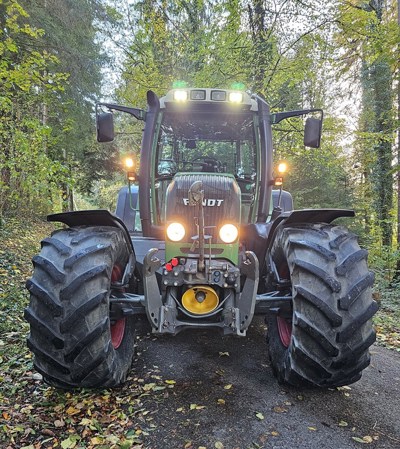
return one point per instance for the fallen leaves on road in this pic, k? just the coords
(197, 407)
(365, 440)
(278, 409)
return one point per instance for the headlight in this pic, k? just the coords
(181, 95)
(228, 233)
(282, 167)
(175, 232)
(235, 97)
(129, 162)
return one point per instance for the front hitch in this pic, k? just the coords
(233, 318)
(250, 269)
(153, 301)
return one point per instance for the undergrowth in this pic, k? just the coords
(386, 292)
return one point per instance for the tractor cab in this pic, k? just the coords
(208, 134)
(211, 139)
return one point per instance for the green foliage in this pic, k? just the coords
(106, 192)
(368, 35)
(49, 80)
(384, 261)
(27, 174)
(71, 31)
(18, 245)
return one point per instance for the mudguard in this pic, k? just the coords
(307, 216)
(263, 234)
(100, 217)
(316, 215)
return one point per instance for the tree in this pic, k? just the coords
(366, 30)
(28, 78)
(71, 31)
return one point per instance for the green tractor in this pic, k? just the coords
(202, 239)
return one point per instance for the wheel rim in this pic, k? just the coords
(117, 328)
(117, 332)
(285, 330)
(284, 324)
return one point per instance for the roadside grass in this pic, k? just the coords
(35, 416)
(387, 319)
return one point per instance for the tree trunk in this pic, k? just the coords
(397, 275)
(380, 85)
(383, 179)
(66, 191)
(262, 47)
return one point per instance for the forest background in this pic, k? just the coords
(59, 57)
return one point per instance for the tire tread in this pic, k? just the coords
(68, 313)
(332, 307)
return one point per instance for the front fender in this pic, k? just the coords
(98, 217)
(306, 216)
(296, 217)
(315, 215)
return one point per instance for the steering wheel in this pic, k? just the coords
(209, 163)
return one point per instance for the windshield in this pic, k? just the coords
(213, 142)
(201, 142)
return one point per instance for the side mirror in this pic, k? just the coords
(312, 132)
(105, 127)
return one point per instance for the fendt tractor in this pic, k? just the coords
(202, 239)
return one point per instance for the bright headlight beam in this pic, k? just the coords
(181, 95)
(235, 97)
(129, 162)
(228, 233)
(282, 167)
(176, 232)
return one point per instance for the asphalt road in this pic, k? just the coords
(226, 396)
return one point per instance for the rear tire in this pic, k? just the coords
(324, 341)
(74, 342)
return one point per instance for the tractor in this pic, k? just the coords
(204, 237)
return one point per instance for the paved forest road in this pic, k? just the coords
(292, 418)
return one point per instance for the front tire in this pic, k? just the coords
(72, 335)
(324, 340)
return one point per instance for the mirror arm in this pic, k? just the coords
(139, 114)
(279, 116)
